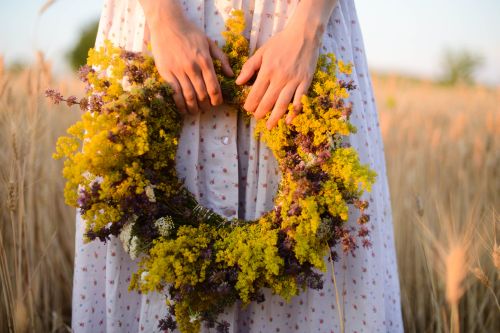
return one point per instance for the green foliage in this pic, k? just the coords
(17, 67)
(460, 66)
(77, 56)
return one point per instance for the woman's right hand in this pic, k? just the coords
(183, 56)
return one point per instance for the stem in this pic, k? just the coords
(341, 315)
(454, 322)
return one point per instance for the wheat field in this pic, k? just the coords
(443, 156)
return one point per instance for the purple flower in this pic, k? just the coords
(314, 281)
(363, 218)
(346, 112)
(72, 100)
(84, 200)
(206, 253)
(95, 102)
(84, 71)
(54, 96)
(223, 327)
(348, 85)
(84, 103)
(130, 55)
(363, 231)
(366, 243)
(361, 204)
(167, 323)
(95, 186)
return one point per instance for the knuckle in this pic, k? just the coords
(191, 66)
(281, 107)
(178, 100)
(204, 97)
(213, 91)
(189, 97)
(249, 108)
(179, 103)
(203, 61)
(198, 52)
(287, 77)
(175, 89)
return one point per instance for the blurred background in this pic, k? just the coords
(435, 68)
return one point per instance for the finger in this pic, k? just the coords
(177, 92)
(196, 78)
(217, 53)
(268, 100)
(281, 105)
(297, 104)
(211, 82)
(250, 67)
(256, 92)
(188, 93)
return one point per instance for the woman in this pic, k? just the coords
(235, 175)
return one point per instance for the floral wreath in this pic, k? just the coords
(124, 181)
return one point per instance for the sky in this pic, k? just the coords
(406, 36)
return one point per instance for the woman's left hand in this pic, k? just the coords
(285, 64)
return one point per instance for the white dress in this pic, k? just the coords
(233, 174)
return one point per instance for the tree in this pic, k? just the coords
(460, 67)
(77, 56)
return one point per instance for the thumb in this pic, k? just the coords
(250, 67)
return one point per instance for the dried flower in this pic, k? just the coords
(54, 96)
(481, 276)
(495, 255)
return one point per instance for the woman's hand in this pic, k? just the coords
(183, 56)
(286, 63)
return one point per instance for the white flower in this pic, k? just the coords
(131, 244)
(194, 317)
(125, 235)
(331, 142)
(150, 193)
(126, 83)
(134, 248)
(165, 225)
(312, 160)
(143, 276)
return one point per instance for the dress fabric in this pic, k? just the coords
(235, 175)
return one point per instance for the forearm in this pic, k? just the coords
(158, 12)
(311, 17)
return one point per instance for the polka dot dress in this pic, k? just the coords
(236, 175)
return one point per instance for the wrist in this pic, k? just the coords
(163, 14)
(311, 17)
